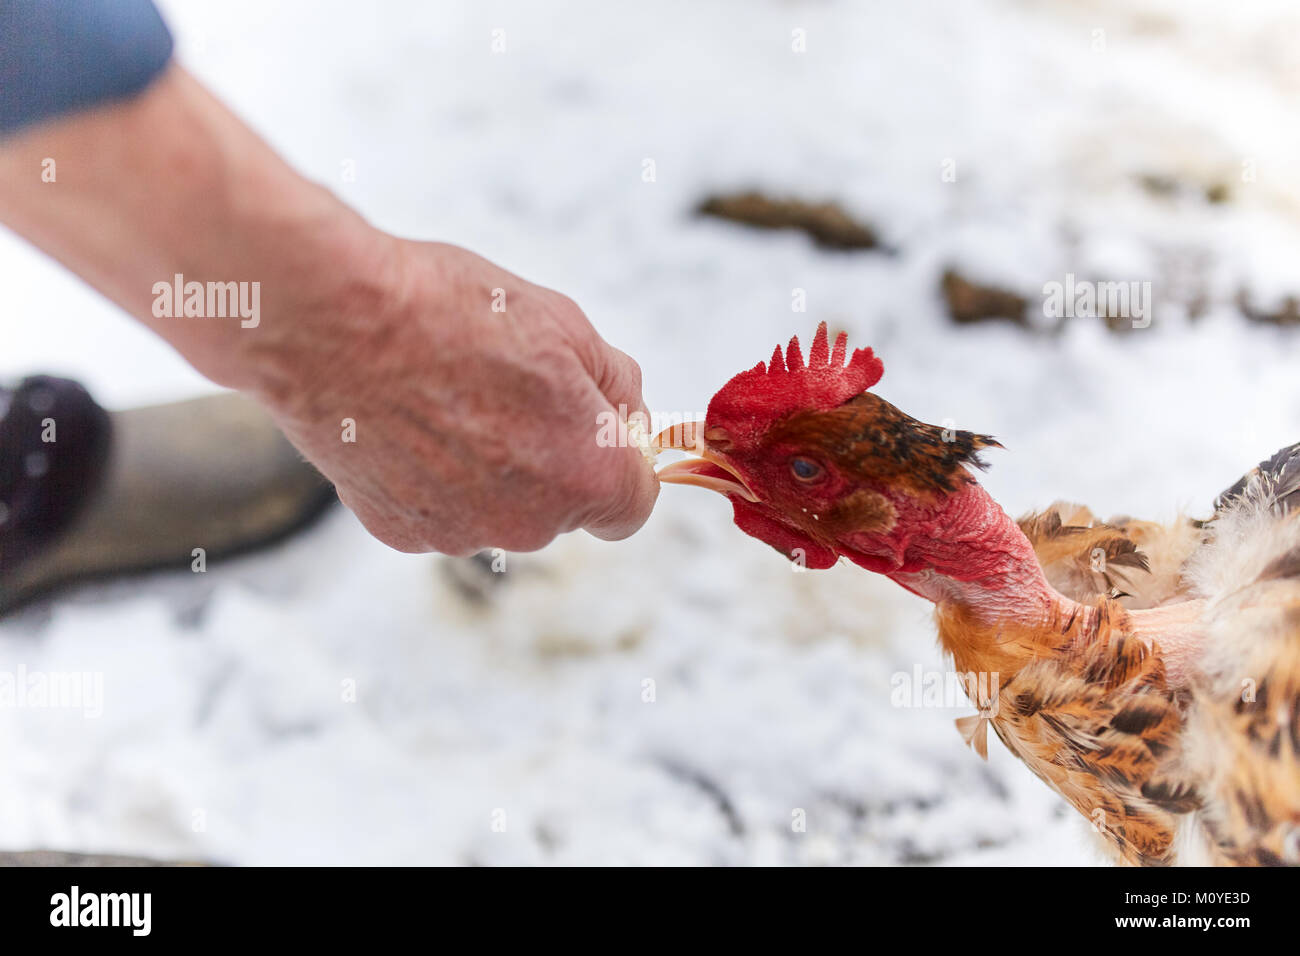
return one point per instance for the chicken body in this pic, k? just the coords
(1229, 588)
(1149, 674)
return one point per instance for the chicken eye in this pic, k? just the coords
(805, 469)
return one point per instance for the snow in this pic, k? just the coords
(331, 701)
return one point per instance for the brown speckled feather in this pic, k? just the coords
(882, 444)
(1139, 563)
(1244, 728)
(1276, 479)
(1087, 707)
(1249, 752)
(1235, 756)
(1149, 673)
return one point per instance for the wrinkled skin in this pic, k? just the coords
(474, 428)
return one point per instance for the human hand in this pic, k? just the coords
(473, 428)
(469, 427)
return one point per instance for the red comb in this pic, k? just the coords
(755, 398)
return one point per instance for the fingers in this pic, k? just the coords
(632, 490)
(618, 377)
(615, 373)
(633, 487)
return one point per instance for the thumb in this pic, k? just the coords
(632, 490)
(632, 482)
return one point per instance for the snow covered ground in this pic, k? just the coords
(1084, 137)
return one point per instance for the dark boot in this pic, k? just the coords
(139, 490)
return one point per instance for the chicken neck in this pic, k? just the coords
(996, 607)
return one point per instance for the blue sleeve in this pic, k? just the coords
(62, 55)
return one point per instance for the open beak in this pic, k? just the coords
(710, 470)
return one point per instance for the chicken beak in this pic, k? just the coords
(710, 470)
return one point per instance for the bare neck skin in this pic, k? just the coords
(979, 564)
(977, 558)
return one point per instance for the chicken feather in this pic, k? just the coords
(1148, 673)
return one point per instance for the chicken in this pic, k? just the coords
(1148, 674)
